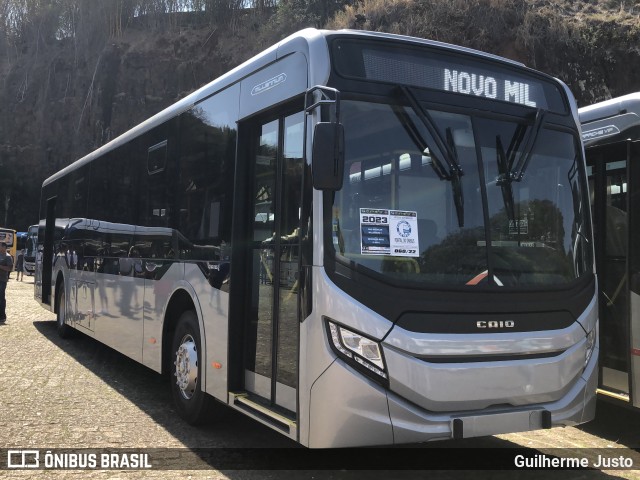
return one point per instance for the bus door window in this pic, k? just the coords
(614, 288)
(272, 337)
(634, 266)
(258, 354)
(608, 178)
(286, 371)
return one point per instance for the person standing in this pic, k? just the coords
(20, 265)
(6, 265)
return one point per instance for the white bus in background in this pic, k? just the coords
(611, 134)
(369, 239)
(31, 249)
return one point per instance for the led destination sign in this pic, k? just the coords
(487, 86)
(454, 72)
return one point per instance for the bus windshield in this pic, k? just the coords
(460, 199)
(32, 242)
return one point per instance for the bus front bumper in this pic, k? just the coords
(347, 410)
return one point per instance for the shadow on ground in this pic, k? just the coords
(617, 423)
(244, 449)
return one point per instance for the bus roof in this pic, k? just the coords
(611, 121)
(307, 40)
(610, 108)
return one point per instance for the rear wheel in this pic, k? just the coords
(64, 330)
(192, 403)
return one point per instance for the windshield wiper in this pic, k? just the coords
(504, 179)
(436, 147)
(505, 161)
(455, 174)
(527, 151)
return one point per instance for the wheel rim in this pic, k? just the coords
(187, 367)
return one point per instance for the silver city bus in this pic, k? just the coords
(611, 135)
(31, 249)
(354, 238)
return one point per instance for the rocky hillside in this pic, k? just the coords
(63, 95)
(592, 45)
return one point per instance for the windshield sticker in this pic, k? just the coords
(389, 232)
(519, 227)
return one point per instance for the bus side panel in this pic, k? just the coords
(206, 156)
(118, 294)
(112, 214)
(275, 83)
(214, 305)
(119, 312)
(158, 288)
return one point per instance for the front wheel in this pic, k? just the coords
(192, 403)
(64, 330)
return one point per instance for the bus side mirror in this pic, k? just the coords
(327, 162)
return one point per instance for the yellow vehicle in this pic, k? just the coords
(9, 237)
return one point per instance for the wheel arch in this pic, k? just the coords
(181, 301)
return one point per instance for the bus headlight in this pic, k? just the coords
(591, 345)
(359, 351)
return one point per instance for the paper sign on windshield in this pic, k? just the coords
(389, 232)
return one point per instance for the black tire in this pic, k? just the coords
(193, 405)
(64, 330)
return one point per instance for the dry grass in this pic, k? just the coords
(593, 45)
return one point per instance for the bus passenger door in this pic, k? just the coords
(608, 181)
(271, 325)
(634, 268)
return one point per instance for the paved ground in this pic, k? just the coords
(78, 394)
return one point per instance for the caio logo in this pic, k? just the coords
(495, 324)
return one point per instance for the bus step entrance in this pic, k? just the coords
(250, 405)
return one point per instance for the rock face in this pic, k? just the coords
(59, 105)
(62, 98)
